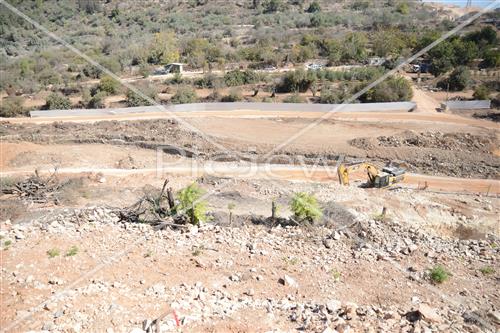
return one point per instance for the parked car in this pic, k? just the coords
(314, 66)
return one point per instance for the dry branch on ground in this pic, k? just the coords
(37, 189)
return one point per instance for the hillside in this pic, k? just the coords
(200, 33)
(358, 40)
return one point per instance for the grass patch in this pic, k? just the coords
(336, 275)
(439, 274)
(198, 251)
(291, 261)
(52, 253)
(72, 251)
(487, 270)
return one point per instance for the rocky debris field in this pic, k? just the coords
(143, 133)
(452, 154)
(445, 141)
(80, 270)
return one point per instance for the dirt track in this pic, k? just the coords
(282, 172)
(256, 114)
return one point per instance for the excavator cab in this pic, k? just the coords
(381, 180)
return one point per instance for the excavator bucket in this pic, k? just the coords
(343, 174)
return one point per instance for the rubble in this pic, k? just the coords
(241, 288)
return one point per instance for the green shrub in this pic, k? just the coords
(322, 20)
(190, 203)
(12, 107)
(458, 80)
(238, 78)
(305, 207)
(208, 81)
(360, 4)
(439, 274)
(354, 47)
(393, 89)
(272, 6)
(481, 92)
(53, 253)
(300, 53)
(97, 101)
(295, 98)
(233, 96)
(328, 96)
(184, 95)
(297, 81)
(491, 59)
(72, 251)
(487, 270)
(108, 85)
(134, 99)
(403, 8)
(91, 71)
(314, 7)
(177, 79)
(56, 101)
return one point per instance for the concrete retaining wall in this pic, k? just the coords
(468, 105)
(363, 107)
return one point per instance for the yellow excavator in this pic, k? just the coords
(389, 175)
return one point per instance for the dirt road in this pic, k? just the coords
(393, 117)
(425, 102)
(278, 172)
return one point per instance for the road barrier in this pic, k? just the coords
(468, 105)
(360, 107)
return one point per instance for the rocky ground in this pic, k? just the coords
(438, 152)
(84, 270)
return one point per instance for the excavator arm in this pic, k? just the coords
(343, 171)
(376, 178)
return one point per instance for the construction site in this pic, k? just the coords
(249, 166)
(365, 265)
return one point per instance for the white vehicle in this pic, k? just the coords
(415, 68)
(314, 66)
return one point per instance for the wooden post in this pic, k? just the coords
(273, 210)
(384, 211)
(170, 198)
